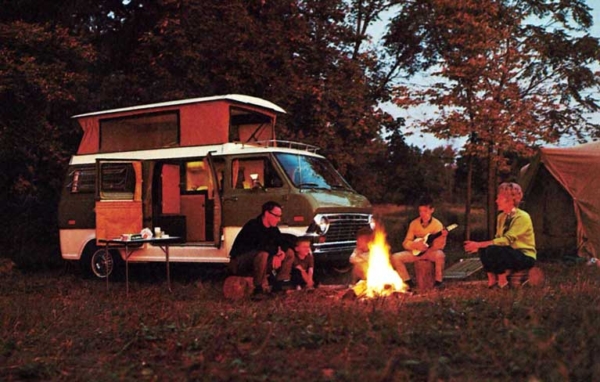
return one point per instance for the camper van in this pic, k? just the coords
(198, 169)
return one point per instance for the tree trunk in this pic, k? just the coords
(491, 194)
(469, 199)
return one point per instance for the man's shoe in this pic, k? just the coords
(438, 285)
(410, 284)
(259, 294)
(282, 285)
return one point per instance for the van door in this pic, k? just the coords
(195, 205)
(217, 167)
(118, 198)
(187, 203)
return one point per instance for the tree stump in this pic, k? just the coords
(533, 276)
(536, 277)
(236, 287)
(424, 274)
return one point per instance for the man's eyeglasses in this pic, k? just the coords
(277, 216)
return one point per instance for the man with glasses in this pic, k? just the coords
(260, 249)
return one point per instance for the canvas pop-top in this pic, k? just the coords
(198, 169)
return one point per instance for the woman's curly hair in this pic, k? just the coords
(512, 190)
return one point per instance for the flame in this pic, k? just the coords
(382, 278)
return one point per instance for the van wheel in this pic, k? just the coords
(96, 264)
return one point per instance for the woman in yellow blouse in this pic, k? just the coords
(513, 246)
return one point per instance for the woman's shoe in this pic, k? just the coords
(504, 286)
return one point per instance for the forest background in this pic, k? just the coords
(510, 76)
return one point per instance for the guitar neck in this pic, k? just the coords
(432, 236)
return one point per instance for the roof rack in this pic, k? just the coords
(285, 144)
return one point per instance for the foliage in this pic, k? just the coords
(315, 58)
(413, 173)
(304, 56)
(43, 75)
(66, 58)
(508, 82)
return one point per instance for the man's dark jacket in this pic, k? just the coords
(254, 236)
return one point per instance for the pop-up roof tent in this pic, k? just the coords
(562, 195)
(189, 122)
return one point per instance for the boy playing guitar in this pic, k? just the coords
(422, 227)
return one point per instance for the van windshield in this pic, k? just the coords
(311, 172)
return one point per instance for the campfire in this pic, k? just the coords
(382, 279)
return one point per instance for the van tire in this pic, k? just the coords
(94, 266)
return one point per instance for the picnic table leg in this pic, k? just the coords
(106, 264)
(168, 268)
(127, 270)
(165, 249)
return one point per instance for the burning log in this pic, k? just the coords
(360, 290)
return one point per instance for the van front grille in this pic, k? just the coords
(341, 236)
(343, 228)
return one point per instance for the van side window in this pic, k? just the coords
(83, 180)
(254, 173)
(117, 181)
(197, 176)
(139, 132)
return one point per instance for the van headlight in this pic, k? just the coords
(322, 223)
(372, 222)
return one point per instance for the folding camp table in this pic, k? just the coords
(131, 245)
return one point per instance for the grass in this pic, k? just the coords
(57, 326)
(60, 327)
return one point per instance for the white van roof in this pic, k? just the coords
(232, 97)
(235, 148)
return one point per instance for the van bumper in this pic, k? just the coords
(333, 257)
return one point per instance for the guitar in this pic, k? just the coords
(430, 237)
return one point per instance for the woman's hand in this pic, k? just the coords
(471, 246)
